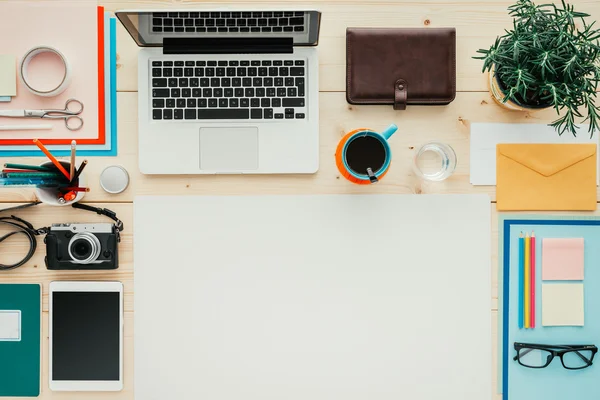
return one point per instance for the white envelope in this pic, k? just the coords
(485, 137)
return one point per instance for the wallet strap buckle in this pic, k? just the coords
(400, 94)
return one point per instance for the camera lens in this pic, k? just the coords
(84, 248)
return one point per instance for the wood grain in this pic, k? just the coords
(418, 125)
(477, 23)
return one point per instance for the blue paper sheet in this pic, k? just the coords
(111, 125)
(553, 382)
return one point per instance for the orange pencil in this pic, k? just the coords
(532, 303)
(51, 158)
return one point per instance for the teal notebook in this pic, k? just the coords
(20, 330)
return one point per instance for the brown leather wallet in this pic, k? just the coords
(400, 66)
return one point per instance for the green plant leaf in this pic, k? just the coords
(547, 58)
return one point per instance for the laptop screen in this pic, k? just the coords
(149, 28)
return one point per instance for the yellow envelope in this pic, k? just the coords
(546, 177)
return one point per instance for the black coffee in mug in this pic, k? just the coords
(365, 152)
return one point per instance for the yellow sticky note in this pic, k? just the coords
(8, 75)
(562, 304)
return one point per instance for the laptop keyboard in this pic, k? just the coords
(228, 89)
(225, 21)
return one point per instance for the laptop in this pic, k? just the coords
(227, 91)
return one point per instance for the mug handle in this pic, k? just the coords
(389, 131)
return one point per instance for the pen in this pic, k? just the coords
(78, 172)
(73, 149)
(51, 158)
(31, 167)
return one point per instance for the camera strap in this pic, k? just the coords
(22, 227)
(106, 212)
(25, 228)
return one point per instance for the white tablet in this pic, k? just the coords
(86, 336)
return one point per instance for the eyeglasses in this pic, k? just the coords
(541, 355)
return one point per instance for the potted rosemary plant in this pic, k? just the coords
(550, 58)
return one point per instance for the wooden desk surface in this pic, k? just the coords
(477, 23)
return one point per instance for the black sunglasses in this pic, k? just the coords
(541, 355)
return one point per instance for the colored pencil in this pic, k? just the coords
(532, 313)
(78, 189)
(521, 278)
(34, 174)
(73, 150)
(78, 172)
(39, 182)
(29, 167)
(6, 170)
(527, 281)
(51, 158)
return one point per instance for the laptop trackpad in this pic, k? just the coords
(229, 149)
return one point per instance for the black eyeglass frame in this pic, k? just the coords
(556, 351)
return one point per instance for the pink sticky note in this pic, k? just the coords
(562, 259)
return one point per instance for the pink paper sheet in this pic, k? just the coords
(71, 27)
(562, 259)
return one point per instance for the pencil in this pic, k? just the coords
(527, 280)
(78, 172)
(73, 149)
(29, 167)
(6, 170)
(33, 174)
(521, 278)
(532, 313)
(51, 158)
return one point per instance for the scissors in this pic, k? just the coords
(70, 114)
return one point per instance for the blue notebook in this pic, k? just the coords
(553, 382)
(20, 330)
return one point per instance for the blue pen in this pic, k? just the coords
(521, 279)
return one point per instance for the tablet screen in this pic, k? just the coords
(85, 336)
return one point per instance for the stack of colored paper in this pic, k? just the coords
(86, 36)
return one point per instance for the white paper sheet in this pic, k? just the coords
(10, 325)
(381, 297)
(485, 137)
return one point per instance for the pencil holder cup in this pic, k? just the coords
(51, 196)
(363, 156)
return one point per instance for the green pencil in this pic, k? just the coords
(29, 167)
(47, 174)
